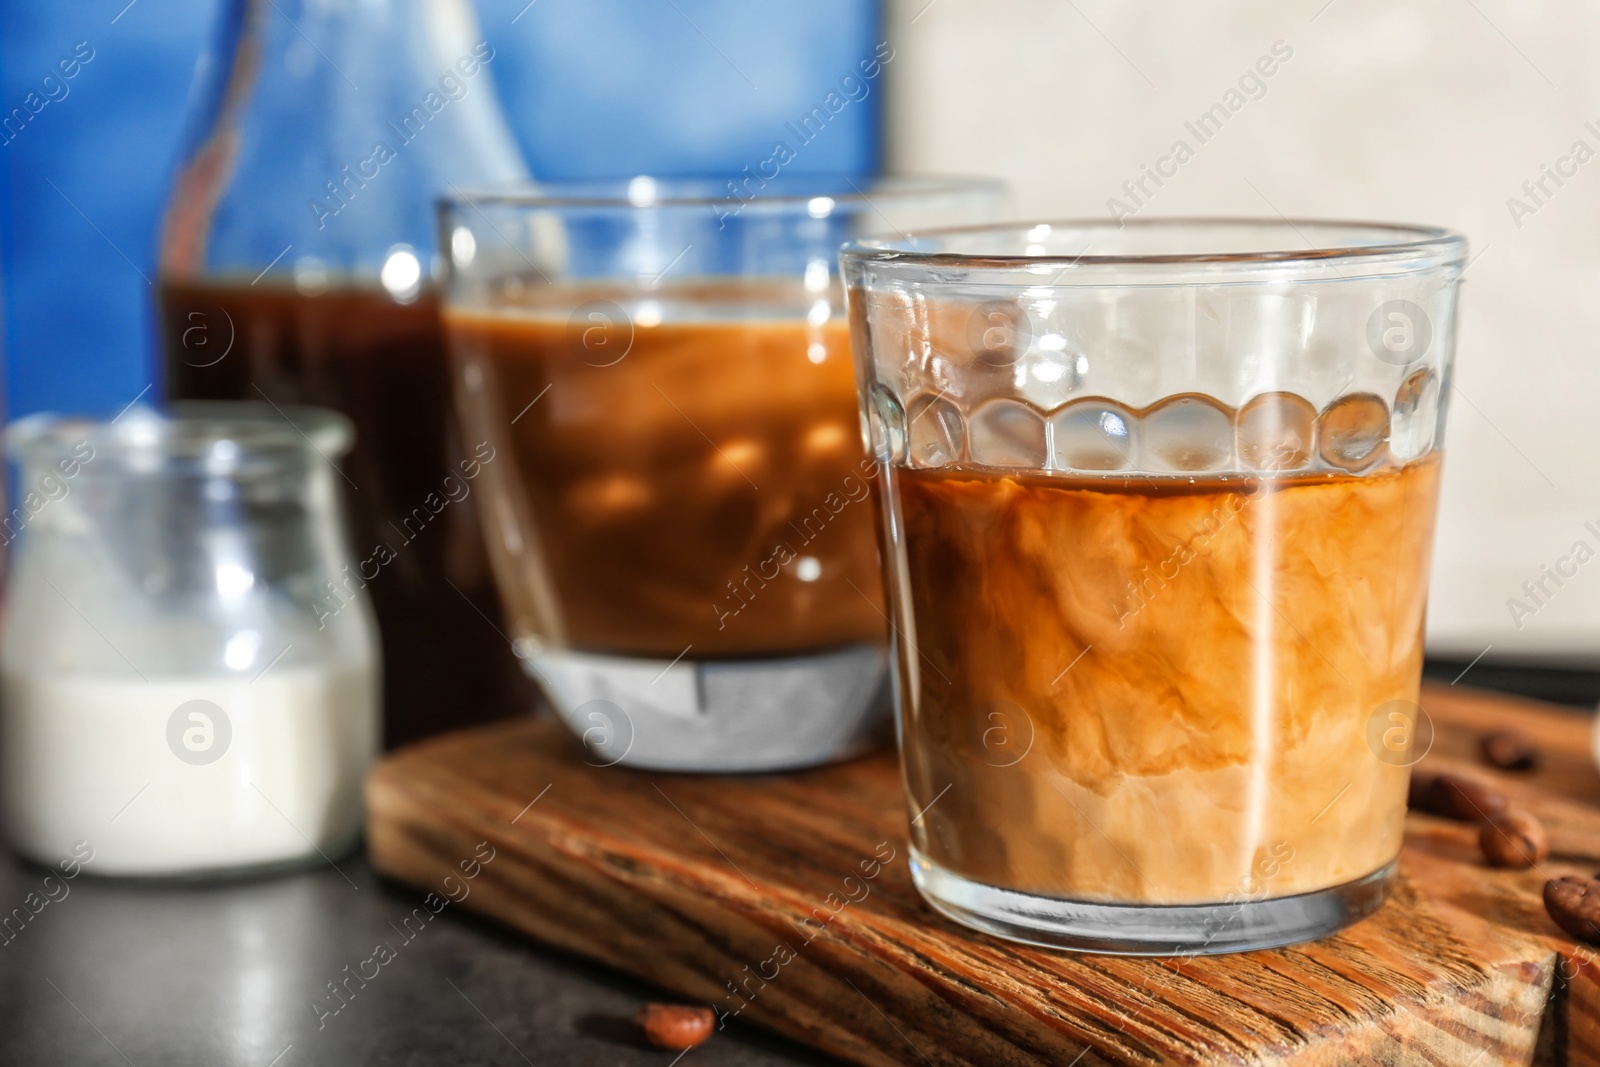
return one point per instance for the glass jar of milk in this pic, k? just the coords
(190, 663)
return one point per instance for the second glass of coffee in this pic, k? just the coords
(680, 521)
(1158, 512)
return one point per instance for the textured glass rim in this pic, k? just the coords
(190, 429)
(857, 192)
(1434, 246)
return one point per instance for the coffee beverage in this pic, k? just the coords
(683, 477)
(411, 500)
(1160, 690)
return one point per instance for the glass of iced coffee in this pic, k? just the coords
(1157, 514)
(677, 494)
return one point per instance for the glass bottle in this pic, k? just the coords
(296, 265)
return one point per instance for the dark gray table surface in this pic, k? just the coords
(120, 972)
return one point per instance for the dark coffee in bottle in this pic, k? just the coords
(410, 481)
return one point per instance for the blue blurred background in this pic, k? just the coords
(597, 88)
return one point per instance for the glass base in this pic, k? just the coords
(1148, 929)
(719, 715)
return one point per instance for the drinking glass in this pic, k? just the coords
(1157, 519)
(678, 513)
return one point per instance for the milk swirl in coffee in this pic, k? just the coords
(1157, 690)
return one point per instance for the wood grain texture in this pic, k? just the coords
(771, 898)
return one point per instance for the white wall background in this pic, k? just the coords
(1431, 111)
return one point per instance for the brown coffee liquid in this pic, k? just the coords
(1128, 690)
(704, 494)
(383, 364)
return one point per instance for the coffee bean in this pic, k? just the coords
(1574, 904)
(1515, 839)
(1509, 751)
(1454, 796)
(675, 1026)
(1419, 794)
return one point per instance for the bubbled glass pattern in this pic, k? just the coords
(1098, 360)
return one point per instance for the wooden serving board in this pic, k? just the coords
(753, 894)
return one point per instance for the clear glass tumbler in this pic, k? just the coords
(1158, 517)
(678, 516)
